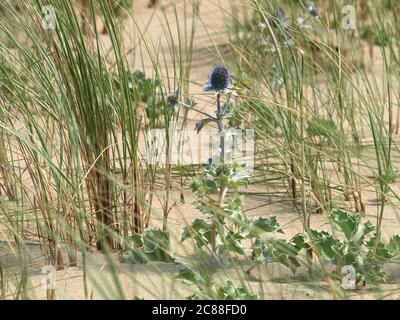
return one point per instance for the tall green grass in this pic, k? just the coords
(75, 112)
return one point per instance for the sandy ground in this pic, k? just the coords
(158, 280)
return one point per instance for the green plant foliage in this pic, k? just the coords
(359, 248)
(230, 211)
(153, 245)
(232, 242)
(144, 90)
(207, 289)
(229, 176)
(394, 246)
(378, 37)
(230, 292)
(142, 87)
(261, 225)
(200, 231)
(119, 6)
(318, 126)
(280, 251)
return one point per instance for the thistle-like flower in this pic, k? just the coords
(218, 80)
(173, 99)
(312, 11)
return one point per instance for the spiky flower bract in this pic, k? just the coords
(218, 80)
(173, 99)
(312, 11)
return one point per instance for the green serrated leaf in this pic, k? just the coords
(345, 222)
(394, 246)
(232, 242)
(299, 242)
(323, 243)
(134, 256)
(189, 275)
(137, 240)
(262, 225)
(200, 231)
(201, 124)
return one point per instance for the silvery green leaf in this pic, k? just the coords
(200, 124)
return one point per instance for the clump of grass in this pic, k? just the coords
(74, 113)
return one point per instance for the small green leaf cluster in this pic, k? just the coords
(232, 224)
(207, 289)
(357, 245)
(152, 245)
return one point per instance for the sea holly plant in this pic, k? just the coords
(211, 190)
(357, 246)
(227, 226)
(219, 208)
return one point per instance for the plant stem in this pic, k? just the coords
(223, 188)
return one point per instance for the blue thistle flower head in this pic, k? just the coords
(218, 80)
(312, 11)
